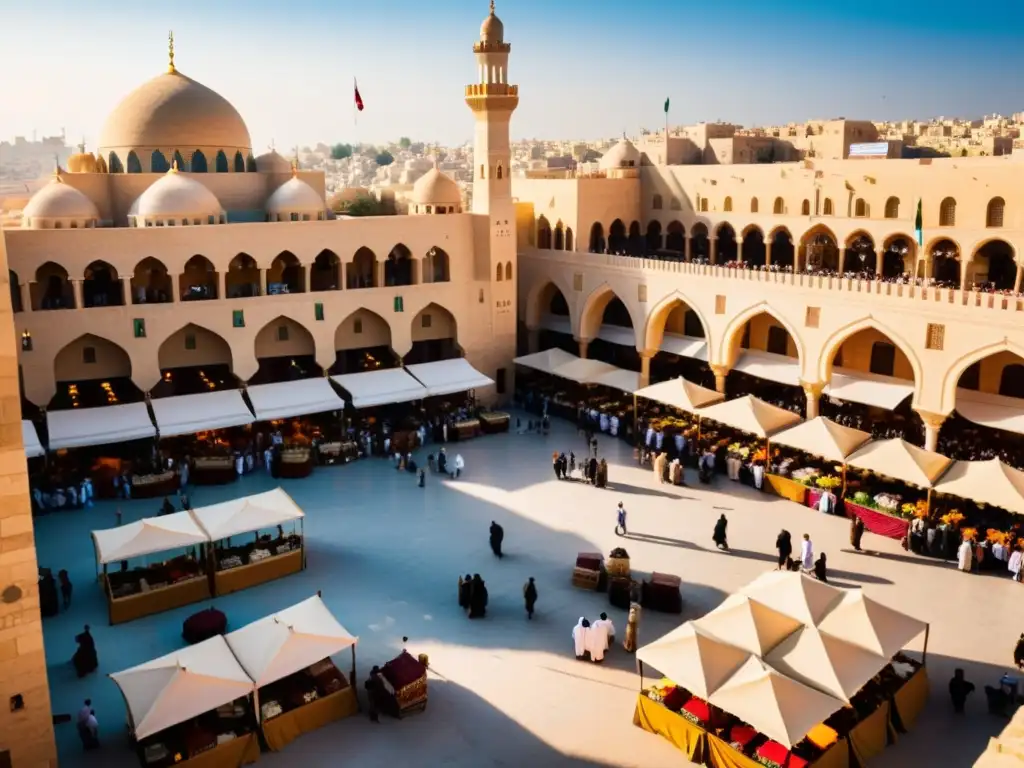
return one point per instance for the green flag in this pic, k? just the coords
(666, 106)
(919, 224)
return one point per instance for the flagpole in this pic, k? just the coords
(355, 109)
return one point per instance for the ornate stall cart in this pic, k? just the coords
(404, 681)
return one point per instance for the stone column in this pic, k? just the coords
(720, 371)
(739, 250)
(77, 284)
(533, 339)
(932, 424)
(687, 250)
(126, 290)
(842, 260)
(812, 391)
(645, 368)
(713, 250)
(879, 261)
(175, 290)
(25, 294)
(584, 343)
(1016, 281)
(767, 252)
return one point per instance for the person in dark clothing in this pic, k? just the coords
(856, 533)
(530, 597)
(784, 543)
(167, 508)
(820, 568)
(49, 603)
(65, 588)
(422, 479)
(477, 598)
(372, 686)
(1018, 653)
(85, 658)
(592, 470)
(442, 462)
(719, 536)
(465, 585)
(186, 503)
(556, 466)
(497, 536)
(959, 689)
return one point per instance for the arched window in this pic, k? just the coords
(114, 163)
(568, 238)
(753, 205)
(704, 205)
(892, 208)
(250, 164)
(779, 206)
(508, 270)
(947, 213)
(499, 170)
(656, 203)
(198, 162)
(994, 214)
(134, 166)
(1011, 382)
(543, 233)
(727, 205)
(158, 163)
(179, 161)
(827, 207)
(883, 358)
(239, 163)
(859, 207)
(805, 208)
(499, 273)
(222, 162)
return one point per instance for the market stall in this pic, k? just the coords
(82, 427)
(206, 411)
(192, 708)
(448, 377)
(681, 394)
(988, 482)
(283, 400)
(153, 587)
(288, 655)
(404, 683)
(381, 387)
(30, 439)
(820, 437)
(265, 557)
(547, 361)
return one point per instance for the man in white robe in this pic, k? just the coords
(964, 556)
(1016, 560)
(807, 553)
(758, 475)
(608, 628)
(597, 641)
(579, 637)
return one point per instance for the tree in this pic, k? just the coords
(385, 158)
(341, 151)
(364, 205)
(405, 142)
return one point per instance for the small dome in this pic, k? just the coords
(272, 162)
(622, 155)
(295, 196)
(434, 188)
(492, 30)
(83, 162)
(58, 200)
(173, 110)
(176, 196)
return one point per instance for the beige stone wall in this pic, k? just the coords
(28, 733)
(209, 349)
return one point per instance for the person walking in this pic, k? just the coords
(497, 536)
(807, 553)
(620, 522)
(556, 465)
(959, 689)
(719, 536)
(460, 464)
(856, 533)
(81, 723)
(65, 588)
(372, 686)
(784, 543)
(820, 568)
(632, 628)
(530, 597)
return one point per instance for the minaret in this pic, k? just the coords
(493, 100)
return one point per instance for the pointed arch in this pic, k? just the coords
(221, 163)
(508, 271)
(198, 162)
(779, 206)
(101, 285)
(592, 314)
(284, 336)
(199, 279)
(179, 161)
(597, 242)
(956, 369)
(728, 346)
(362, 271)
(653, 238)
(559, 242)
(835, 341)
(435, 335)
(193, 345)
(90, 357)
(499, 273)
(158, 162)
(543, 233)
(53, 289)
(151, 283)
(544, 298)
(286, 274)
(657, 319)
(239, 163)
(362, 329)
(568, 239)
(133, 164)
(436, 266)
(675, 237)
(617, 240)
(114, 163)
(400, 267)
(325, 273)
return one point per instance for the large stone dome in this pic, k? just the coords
(622, 155)
(435, 188)
(177, 196)
(59, 204)
(173, 111)
(272, 162)
(295, 196)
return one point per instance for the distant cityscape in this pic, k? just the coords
(386, 173)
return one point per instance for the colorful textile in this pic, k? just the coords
(822, 736)
(654, 718)
(878, 522)
(699, 709)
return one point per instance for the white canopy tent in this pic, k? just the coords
(693, 658)
(290, 640)
(796, 595)
(144, 537)
(293, 398)
(823, 437)
(899, 459)
(831, 665)
(547, 361)
(748, 625)
(627, 381)
(584, 371)
(749, 414)
(30, 439)
(991, 482)
(250, 513)
(988, 410)
(179, 686)
(446, 377)
(770, 366)
(380, 387)
(188, 414)
(80, 427)
(682, 394)
(868, 388)
(866, 623)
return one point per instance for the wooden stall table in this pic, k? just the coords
(787, 488)
(467, 429)
(722, 755)
(283, 729)
(269, 568)
(295, 463)
(493, 422)
(213, 470)
(911, 699)
(242, 750)
(871, 735)
(153, 486)
(589, 570)
(662, 593)
(158, 600)
(338, 452)
(879, 523)
(688, 737)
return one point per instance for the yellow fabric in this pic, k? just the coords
(822, 736)
(912, 697)
(787, 489)
(284, 729)
(232, 754)
(838, 756)
(870, 737)
(686, 736)
(722, 755)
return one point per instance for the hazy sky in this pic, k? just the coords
(586, 68)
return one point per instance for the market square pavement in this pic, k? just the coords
(507, 691)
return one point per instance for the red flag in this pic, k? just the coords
(359, 99)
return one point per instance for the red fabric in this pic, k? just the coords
(772, 750)
(742, 734)
(698, 708)
(879, 522)
(813, 497)
(359, 99)
(796, 762)
(402, 670)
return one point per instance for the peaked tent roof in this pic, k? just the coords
(796, 595)
(144, 537)
(991, 482)
(783, 709)
(830, 665)
(621, 379)
(682, 394)
(823, 437)
(748, 625)
(694, 659)
(249, 513)
(546, 361)
(584, 370)
(179, 686)
(901, 460)
(749, 414)
(868, 624)
(281, 644)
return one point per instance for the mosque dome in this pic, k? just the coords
(83, 162)
(173, 111)
(176, 196)
(59, 202)
(272, 162)
(435, 188)
(295, 196)
(622, 155)
(492, 30)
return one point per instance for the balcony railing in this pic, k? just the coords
(492, 89)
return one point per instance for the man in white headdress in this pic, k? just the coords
(605, 624)
(965, 555)
(579, 638)
(597, 641)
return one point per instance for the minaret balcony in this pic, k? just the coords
(492, 89)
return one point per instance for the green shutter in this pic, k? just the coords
(318, 311)
(139, 327)
(238, 318)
